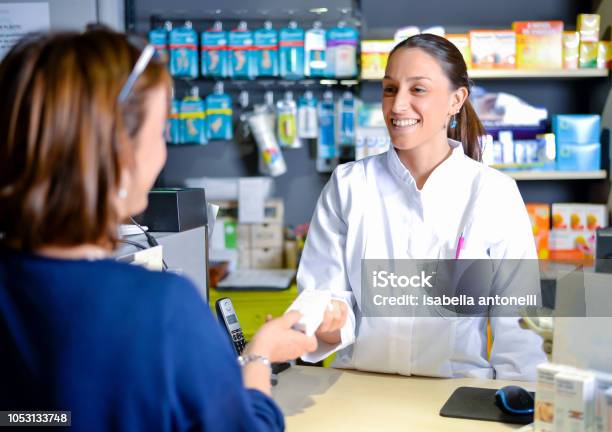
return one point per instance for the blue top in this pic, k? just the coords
(121, 347)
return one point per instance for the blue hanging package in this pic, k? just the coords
(214, 52)
(242, 62)
(184, 52)
(219, 114)
(193, 119)
(291, 52)
(266, 51)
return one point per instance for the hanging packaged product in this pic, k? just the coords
(286, 123)
(314, 45)
(214, 52)
(242, 133)
(345, 125)
(173, 127)
(219, 114)
(158, 37)
(307, 116)
(269, 108)
(193, 119)
(242, 64)
(341, 55)
(327, 158)
(266, 51)
(261, 123)
(291, 51)
(184, 52)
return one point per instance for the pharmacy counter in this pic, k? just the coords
(315, 398)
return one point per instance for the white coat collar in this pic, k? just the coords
(398, 168)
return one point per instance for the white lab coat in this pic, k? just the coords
(372, 209)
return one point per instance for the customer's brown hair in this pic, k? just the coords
(64, 137)
(469, 130)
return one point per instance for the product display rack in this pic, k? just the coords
(560, 91)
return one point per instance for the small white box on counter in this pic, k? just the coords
(574, 401)
(544, 411)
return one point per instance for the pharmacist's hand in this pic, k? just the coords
(277, 341)
(333, 320)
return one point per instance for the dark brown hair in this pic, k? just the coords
(469, 130)
(64, 138)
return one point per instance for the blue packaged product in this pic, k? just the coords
(291, 51)
(341, 54)
(214, 59)
(576, 128)
(307, 124)
(184, 52)
(158, 37)
(346, 120)
(327, 156)
(173, 128)
(578, 157)
(266, 51)
(193, 119)
(314, 47)
(240, 45)
(219, 114)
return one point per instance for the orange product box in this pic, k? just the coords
(539, 214)
(571, 43)
(482, 47)
(572, 245)
(595, 216)
(539, 44)
(462, 42)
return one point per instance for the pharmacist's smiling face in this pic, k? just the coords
(416, 99)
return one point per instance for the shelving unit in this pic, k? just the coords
(557, 175)
(530, 73)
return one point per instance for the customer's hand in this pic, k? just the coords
(333, 320)
(279, 342)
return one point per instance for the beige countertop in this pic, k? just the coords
(321, 399)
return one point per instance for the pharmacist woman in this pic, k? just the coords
(416, 201)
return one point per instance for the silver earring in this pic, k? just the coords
(122, 193)
(453, 123)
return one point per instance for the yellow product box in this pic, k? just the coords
(588, 27)
(482, 47)
(572, 245)
(595, 216)
(568, 216)
(604, 55)
(374, 55)
(571, 44)
(462, 42)
(539, 214)
(539, 44)
(588, 55)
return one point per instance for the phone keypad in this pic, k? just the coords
(238, 338)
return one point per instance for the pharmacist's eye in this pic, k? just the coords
(419, 90)
(388, 90)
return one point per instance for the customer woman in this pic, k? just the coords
(121, 348)
(429, 196)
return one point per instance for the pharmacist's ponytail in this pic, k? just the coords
(468, 130)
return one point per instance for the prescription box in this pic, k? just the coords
(574, 401)
(539, 214)
(539, 44)
(544, 409)
(571, 45)
(576, 128)
(462, 42)
(588, 27)
(374, 55)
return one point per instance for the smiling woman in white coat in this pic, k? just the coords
(429, 191)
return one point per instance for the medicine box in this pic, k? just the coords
(571, 44)
(539, 44)
(587, 58)
(588, 27)
(574, 401)
(539, 214)
(482, 47)
(374, 55)
(603, 383)
(576, 128)
(462, 42)
(544, 410)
